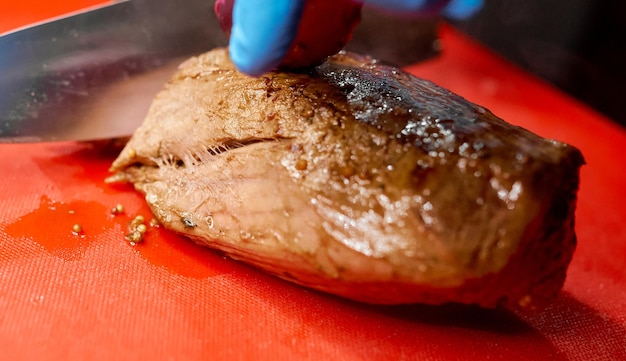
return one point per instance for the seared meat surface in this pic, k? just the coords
(359, 180)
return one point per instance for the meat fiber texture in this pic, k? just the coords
(359, 180)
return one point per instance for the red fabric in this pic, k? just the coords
(95, 297)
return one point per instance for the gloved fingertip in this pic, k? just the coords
(462, 9)
(262, 33)
(246, 60)
(409, 6)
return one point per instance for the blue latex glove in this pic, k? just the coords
(455, 9)
(262, 33)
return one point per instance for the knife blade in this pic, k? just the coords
(92, 75)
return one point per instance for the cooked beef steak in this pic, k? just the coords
(360, 180)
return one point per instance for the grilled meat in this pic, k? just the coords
(360, 180)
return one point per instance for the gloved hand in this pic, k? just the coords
(262, 34)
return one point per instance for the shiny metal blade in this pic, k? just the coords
(92, 75)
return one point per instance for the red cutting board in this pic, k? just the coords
(93, 296)
(14, 14)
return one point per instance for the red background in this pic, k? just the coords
(95, 297)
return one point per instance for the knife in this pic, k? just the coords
(92, 74)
